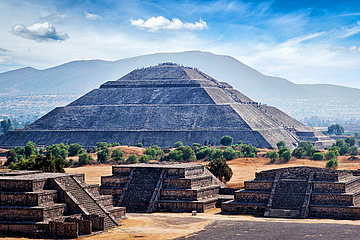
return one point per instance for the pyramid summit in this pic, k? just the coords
(161, 105)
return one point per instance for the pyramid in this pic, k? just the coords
(161, 105)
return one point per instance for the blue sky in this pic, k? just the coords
(303, 41)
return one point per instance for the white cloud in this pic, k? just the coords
(5, 59)
(353, 48)
(39, 32)
(155, 24)
(54, 17)
(92, 16)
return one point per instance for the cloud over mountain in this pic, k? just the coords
(40, 32)
(155, 24)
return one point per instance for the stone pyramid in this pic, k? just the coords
(161, 105)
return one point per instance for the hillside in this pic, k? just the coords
(31, 93)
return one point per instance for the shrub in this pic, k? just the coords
(281, 144)
(215, 154)
(59, 150)
(286, 156)
(30, 149)
(248, 150)
(229, 153)
(226, 140)
(308, 148)
(331, 154)
(353, 150)
(115, 144)
(175, 155)
(144, 158)
(203, 153)
(344, 149)
(133, 158)
(75, 149)
(103, 155)
(178, 144)
(85, 158)
(332, 163)
(140, 144)
(117, 155)
(351, 141)
(274, 155)
(101, 146)
(153, 151)
(188, 153)
(317, 156)
(220, 169)
(299, 152)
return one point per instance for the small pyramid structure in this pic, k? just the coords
(161, 105)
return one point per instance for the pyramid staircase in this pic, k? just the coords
(162, 187)
(37, 204)
(299, 192)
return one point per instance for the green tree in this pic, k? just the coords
(317, 156)
(331, 154)
(30, 149)
(344, 149)
(11, 157)
(332, 163)
(248, 150)
(75, 149)
(226, 140)
(101, 146)
(46, 163)
(220, 169)
(140, 144)
(85, 158)
(175, 156)
(353, 150)
(215, 154)
(299, 152)
(274, 155)
(59, 150)
(188, 153)
(336, 129)
(229, 153)
(133, 158)
(144, 158)
(308, 147)
(281, 144)
(103, 155)
(351, 141)
(286, 156)
(117, 155)
(203, 152)
(178, 144)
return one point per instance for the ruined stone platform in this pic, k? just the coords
(162, 187)
(162, 105)
(60, 205)
(299, 192)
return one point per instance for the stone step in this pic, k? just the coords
(282, 213)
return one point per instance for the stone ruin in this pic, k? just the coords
(163, 187)
(299, 192)
(55, 205)
(162, 105)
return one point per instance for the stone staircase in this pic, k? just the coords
(88, 202)
(163, 187)
(288, 199)
(140, 190)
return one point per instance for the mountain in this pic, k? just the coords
(59, 85)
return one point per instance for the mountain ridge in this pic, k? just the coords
(80, 76)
